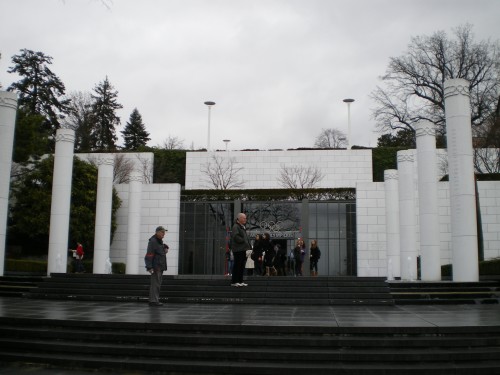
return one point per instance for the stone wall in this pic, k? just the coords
(160, 206)
(371, 230)
(261, 169)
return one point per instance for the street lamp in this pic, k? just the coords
(348, 101)
(209, 104)
(226, 141)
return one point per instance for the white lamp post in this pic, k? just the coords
(209, 104)
(348, 101)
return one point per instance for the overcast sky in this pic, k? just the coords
(278, 70)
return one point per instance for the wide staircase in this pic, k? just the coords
(137, 348)
(445, 292)
(18, 285)
(217, 289)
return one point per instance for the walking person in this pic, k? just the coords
(298, 254)
(78, 255)
(257, 255)
(240, 243)
(314, 255)
(156, 263)
(269, 255)
(280, 260)
(230, 262)
(249, 264)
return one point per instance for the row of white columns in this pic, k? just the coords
(8, 108)
(400, 198)
(61, 199)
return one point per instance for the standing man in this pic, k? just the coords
(240, 243)
(156, 263)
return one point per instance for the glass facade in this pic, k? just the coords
(205, 229)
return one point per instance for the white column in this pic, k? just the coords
(430, 264)
(102, 239)
(461, 175)
(8, 107)
(134, 223)
(392, 223)
(61, 201)
(407, 216)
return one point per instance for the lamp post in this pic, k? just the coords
(348, 101)
(209, 105)
(226, 141)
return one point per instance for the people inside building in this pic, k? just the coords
(314, 255)
(257, 255)
(298, 255)
(269, 254)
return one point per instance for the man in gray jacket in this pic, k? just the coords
(240, 243)
(156, 263)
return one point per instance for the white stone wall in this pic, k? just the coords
(489, 200)
(160, 205)
(260, 169)
(371, 229)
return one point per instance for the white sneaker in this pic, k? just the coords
(243, 284)
(236, 285)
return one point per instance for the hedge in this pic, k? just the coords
(40, 266)
(486, 268)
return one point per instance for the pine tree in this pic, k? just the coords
(104, 106)
(40, 90)
(135, 134)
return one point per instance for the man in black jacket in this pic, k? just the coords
(240, 243)
(156, 263)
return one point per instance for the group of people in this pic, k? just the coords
(271, 259)
(265, 257)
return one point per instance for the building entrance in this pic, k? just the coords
(205, 230)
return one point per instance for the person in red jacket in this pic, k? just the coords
(79, 268)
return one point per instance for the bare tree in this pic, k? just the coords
(80, 119)
(222, 173)
(147, 167)
(121, 170)
(414, 82)
(331, 138)
(173, 143)
(299, 177)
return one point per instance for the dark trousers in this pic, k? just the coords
(154, 287)
(240, 259)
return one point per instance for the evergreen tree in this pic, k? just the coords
(30, 213)
(31, 141)
(104, 106)
(135, 134)
(40, 90)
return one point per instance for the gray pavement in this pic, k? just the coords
(266, 315)
(238, 314)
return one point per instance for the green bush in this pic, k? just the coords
(486, 268)
(26, 266)
(40, 266)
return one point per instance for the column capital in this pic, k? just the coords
(106, 161)
(135, 176)
(425, 128)
(390, 174)
(454, 87)
(405, 155)
(65, 135)
(8, 99)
